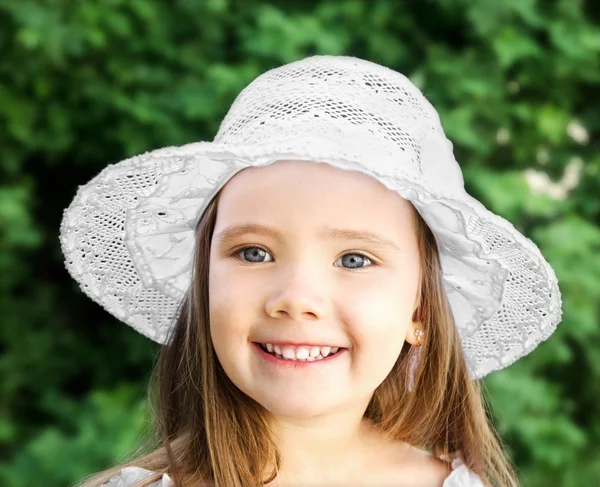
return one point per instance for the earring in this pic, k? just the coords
(419, 334)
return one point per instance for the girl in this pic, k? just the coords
(327, 293)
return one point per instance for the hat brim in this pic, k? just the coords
(128, 237)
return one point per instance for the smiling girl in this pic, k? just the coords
(327, 294)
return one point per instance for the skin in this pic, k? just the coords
(301, 288)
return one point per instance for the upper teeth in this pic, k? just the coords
(302, 353)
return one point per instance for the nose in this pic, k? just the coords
(301, 295)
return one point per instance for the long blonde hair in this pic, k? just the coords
(205, 431)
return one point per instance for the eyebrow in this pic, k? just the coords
(231, 233)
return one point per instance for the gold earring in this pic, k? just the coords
(419, 334)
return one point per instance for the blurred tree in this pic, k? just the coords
(84, 84)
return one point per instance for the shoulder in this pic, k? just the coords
(461, 476)
(430, 470)
(441, 472)
(130, 475)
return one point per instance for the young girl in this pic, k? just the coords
(327, 293)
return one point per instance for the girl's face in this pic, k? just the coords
(306, 286)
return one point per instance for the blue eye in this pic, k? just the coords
(258, 253)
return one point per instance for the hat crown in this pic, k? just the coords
(331, 95)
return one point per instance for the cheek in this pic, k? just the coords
(379, 320)
(224, 308)
(228, 288)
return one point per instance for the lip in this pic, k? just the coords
(298, 364)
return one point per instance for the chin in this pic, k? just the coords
(294, 405)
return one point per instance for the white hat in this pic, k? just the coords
(128, 236)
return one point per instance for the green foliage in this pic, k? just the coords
(84, 84)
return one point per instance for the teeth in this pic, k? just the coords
(300, 353)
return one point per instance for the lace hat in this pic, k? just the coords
(128, 235)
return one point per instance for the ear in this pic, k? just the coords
(414, 325)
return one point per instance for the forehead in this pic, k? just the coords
(313, 198)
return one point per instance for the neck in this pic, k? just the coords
(318, 456)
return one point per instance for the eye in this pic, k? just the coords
(258, 253)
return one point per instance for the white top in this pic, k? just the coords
(460, 476)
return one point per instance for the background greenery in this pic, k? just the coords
(87, 83)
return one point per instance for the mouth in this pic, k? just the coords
(276, 358)
(300, 353)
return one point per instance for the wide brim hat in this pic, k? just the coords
(128, 235)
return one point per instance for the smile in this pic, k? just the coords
(295, 363)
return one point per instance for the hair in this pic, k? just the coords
(205, 431)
